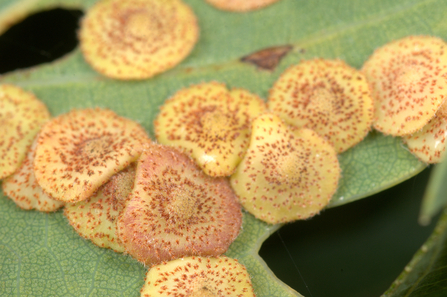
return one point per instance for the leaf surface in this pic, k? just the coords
(40, 255)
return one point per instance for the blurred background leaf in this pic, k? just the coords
(426, 274)
(435, 197)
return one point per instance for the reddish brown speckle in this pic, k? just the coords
(221, 276)
(211, 123)
(24, 190)
(95, 217)
(176, 210)
(72, 145)
(21, 117)
(286, 175)
(429, 143)
(326, 96)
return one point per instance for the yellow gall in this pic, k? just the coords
(428, 144)
(79, 151)
(95, 217)
(408, 81)
(327, 96)
(23, 189)
(210, 123)
(21, 117)
(240, 5)
(137, 39)
(176, 210)
(287, 174)
(198, 277)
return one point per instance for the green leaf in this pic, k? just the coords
(375, 164)
(40, 255)
(425, 275)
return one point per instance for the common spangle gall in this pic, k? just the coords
(21, 117)
(137, 39)
(327, 96)
(287, 174)
(198, 277)
(176, 210)
(408, 80)
(95, 218)
(428, 144)
(24, 190)
(210, 123)
(79, 151)
(240, 5)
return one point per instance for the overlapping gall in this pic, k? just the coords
(287, 174)
(21, 117)
(210, 123)
(429, 143)
(95, 218)
(326, 96)
(175, 210)
(79, 151)
(23, 189)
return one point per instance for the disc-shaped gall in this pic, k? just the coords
(408, 80)
(95, 218)
(428, 144)
(210, 123)
(198, 277)
(137, 39)
(287, 174)
(23, 189)
(81, 150)
(21, 117)
(240, 5)
(327, 96)
(176, 210)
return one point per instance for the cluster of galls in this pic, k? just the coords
(282, 164)
(408, 79)
(120, 190)
(281, 158)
